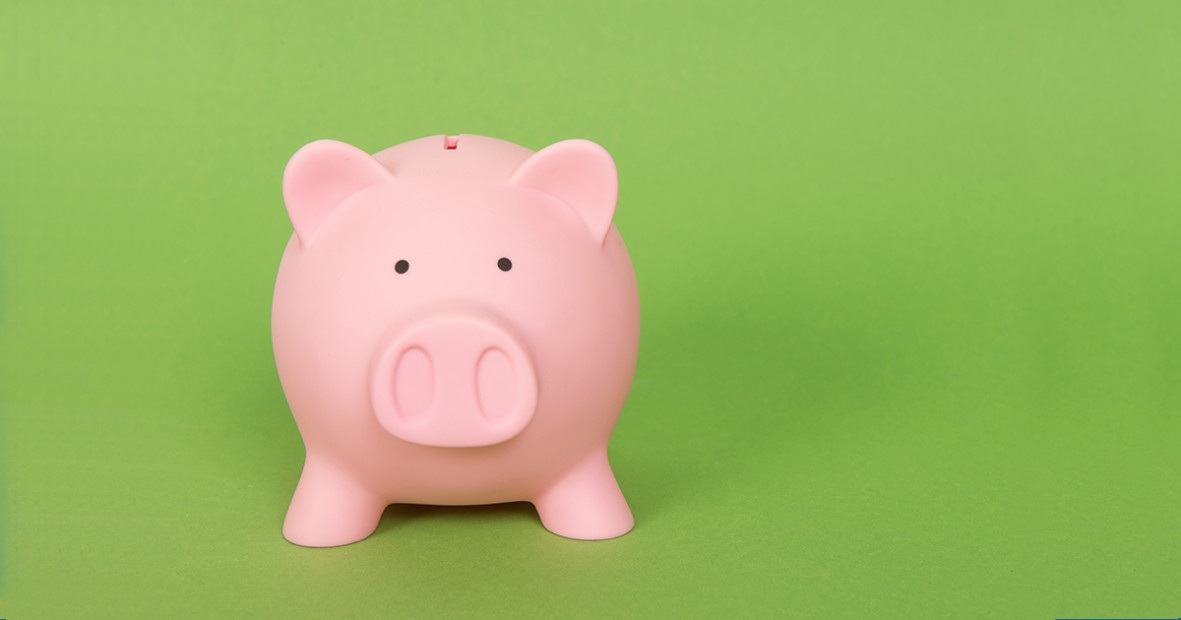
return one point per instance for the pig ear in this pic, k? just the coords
(320, 176)
(579, 173)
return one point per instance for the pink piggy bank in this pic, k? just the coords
(455, 322)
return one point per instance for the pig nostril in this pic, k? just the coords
(414, 383)
(504, 264)
(401, 266)
(495, 385)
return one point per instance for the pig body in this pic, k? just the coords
(455, 321)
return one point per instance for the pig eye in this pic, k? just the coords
(401, 266)
(504, 264)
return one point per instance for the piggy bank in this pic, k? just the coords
(455, 322)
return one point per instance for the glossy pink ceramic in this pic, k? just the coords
(455, 322)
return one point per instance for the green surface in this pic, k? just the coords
(910, 277)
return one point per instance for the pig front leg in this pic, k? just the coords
(330, 508)
(586, 502)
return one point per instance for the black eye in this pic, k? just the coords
(401, 266)
(504, 264)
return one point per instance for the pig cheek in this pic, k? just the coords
(566, 325)
(340, 316)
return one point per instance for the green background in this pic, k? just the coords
(911, 340)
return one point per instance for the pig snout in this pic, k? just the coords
(457, 381)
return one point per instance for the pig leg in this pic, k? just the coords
(330, 508)
(586, 503)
